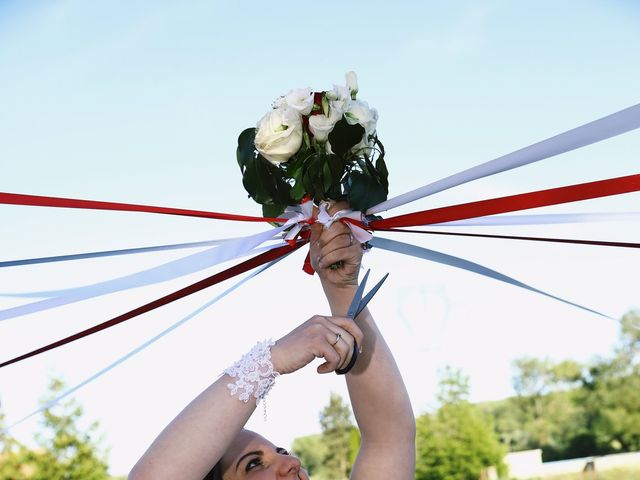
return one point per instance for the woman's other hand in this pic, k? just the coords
(330, 338)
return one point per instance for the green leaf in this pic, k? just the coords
(344, 137)
(246, 147)
(365, 192)
(272, 211)
(327, 177)
(298, 191)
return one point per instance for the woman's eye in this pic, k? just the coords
(282, 451)
(253, 463)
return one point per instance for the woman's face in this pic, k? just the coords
(253, 457)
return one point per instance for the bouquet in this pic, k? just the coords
(315, 145)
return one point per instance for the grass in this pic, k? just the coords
(628, 473)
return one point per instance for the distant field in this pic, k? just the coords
(629, 473)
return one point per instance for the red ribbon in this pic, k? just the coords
(523, 201)
(41, 201)
(193, 288)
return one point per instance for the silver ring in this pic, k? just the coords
(338, 337)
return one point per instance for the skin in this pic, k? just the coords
(210, 428)
(252, 457)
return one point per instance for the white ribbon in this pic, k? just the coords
(540, 219)
(167, 271)
(298, 217)
(358, 232)
(601, 129)
(139, 348)
(301, 215)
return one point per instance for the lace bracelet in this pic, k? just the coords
(254, 373)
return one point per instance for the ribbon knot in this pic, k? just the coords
(299, 217)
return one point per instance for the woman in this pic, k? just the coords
(209, 431)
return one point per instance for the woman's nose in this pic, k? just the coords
(288, 465)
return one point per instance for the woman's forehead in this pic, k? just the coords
(245, 441)
(249, 438)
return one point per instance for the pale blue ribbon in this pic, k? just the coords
(593, 132)
(167, 271)
(140, 348)
(457, 262)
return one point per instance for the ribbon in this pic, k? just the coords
(193, 288)
(514, 237)
(167, 271)
(139, 348)
(59, 202)
(298, 216)
(353, 220)
(542, 219)
(112, 253)
(457, 262)
(523, 201)
(593, 132)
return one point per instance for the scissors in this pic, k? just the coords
(357, 305)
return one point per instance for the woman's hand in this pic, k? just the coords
(330, 338)
(335, 253)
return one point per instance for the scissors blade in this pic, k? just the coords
(369, 296)
(355, 303)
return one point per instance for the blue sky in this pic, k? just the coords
(142, 102)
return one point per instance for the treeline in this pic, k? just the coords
(574, 410)
(63, 452)
(565, 408)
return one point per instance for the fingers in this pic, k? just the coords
(321, 236)
(340, 335)
(349, 325)
(333, 247)
(345, 249)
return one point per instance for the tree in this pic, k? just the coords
(458, 441)
(338, 437)
(545, 406)
(13, 457)
(311, 450)
(611, 394)
(64, 452)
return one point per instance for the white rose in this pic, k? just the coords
(300, 100)
(360, 112)
(279, 135)
(339, 100)
(321, 126)
(352, 83)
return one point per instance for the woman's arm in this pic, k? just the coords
(196, 439)
(378, 396)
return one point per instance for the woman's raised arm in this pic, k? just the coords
(197, 438)
(378, 396)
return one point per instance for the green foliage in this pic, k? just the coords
(570, 410)
(453, 386)
(459, 440)
(331, 454)
(64, 452)
(338, 437)
(342, 175)
(311, 450)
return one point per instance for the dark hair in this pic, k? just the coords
(215, 473)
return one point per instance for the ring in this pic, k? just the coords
(338, 337)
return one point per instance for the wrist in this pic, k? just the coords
(254, 373)
(339, 297)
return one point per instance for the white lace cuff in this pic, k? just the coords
(254, 373)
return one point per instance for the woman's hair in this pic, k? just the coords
(215, 473)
